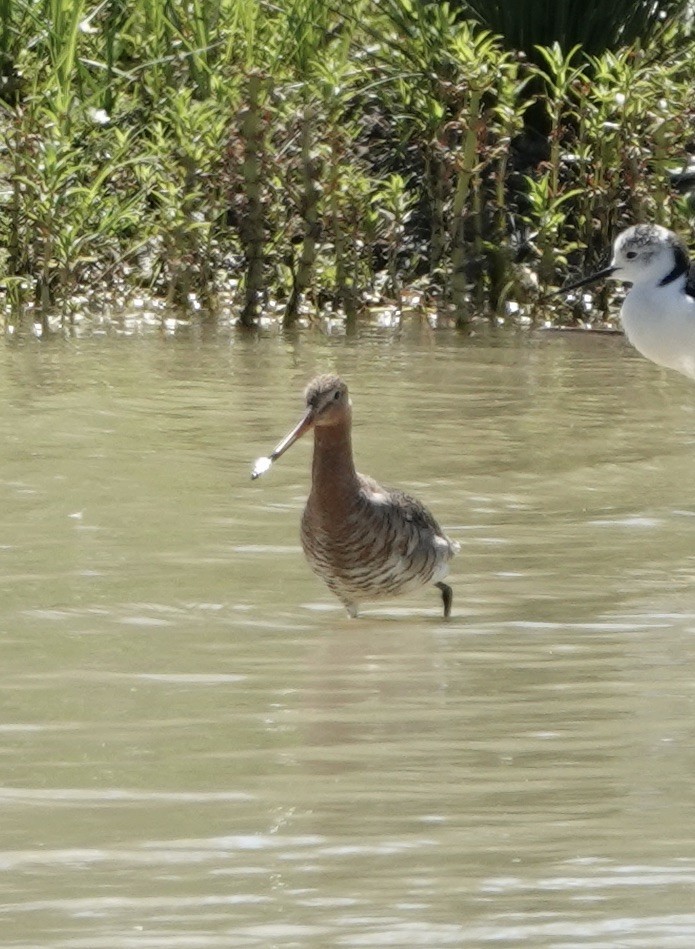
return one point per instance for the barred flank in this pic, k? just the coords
(384, 544)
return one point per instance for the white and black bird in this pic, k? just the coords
(658, 314)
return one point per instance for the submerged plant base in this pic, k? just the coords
(146, 316)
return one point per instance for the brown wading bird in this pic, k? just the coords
(365, 541)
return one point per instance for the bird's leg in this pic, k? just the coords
(352, 608)
(447, 597)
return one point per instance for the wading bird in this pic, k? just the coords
(364, 540)
(658, 314)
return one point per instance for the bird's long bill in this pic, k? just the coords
(606, 272)
(302, 426)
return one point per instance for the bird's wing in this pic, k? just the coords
(408, 507)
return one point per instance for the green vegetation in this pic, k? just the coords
(288, 160)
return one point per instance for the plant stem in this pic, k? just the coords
(252, 133)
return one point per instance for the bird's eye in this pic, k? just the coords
(337, 395)
(631, 254)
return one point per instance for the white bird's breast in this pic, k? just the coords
(660, 324)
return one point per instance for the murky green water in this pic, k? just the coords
(199, 749)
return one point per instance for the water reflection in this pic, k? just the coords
(200, 749)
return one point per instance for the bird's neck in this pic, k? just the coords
(661, 292)
(333, 475)
(680, 269)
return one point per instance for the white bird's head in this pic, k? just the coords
(643, 254)
(648, 253)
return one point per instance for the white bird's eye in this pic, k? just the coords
(631, 254)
